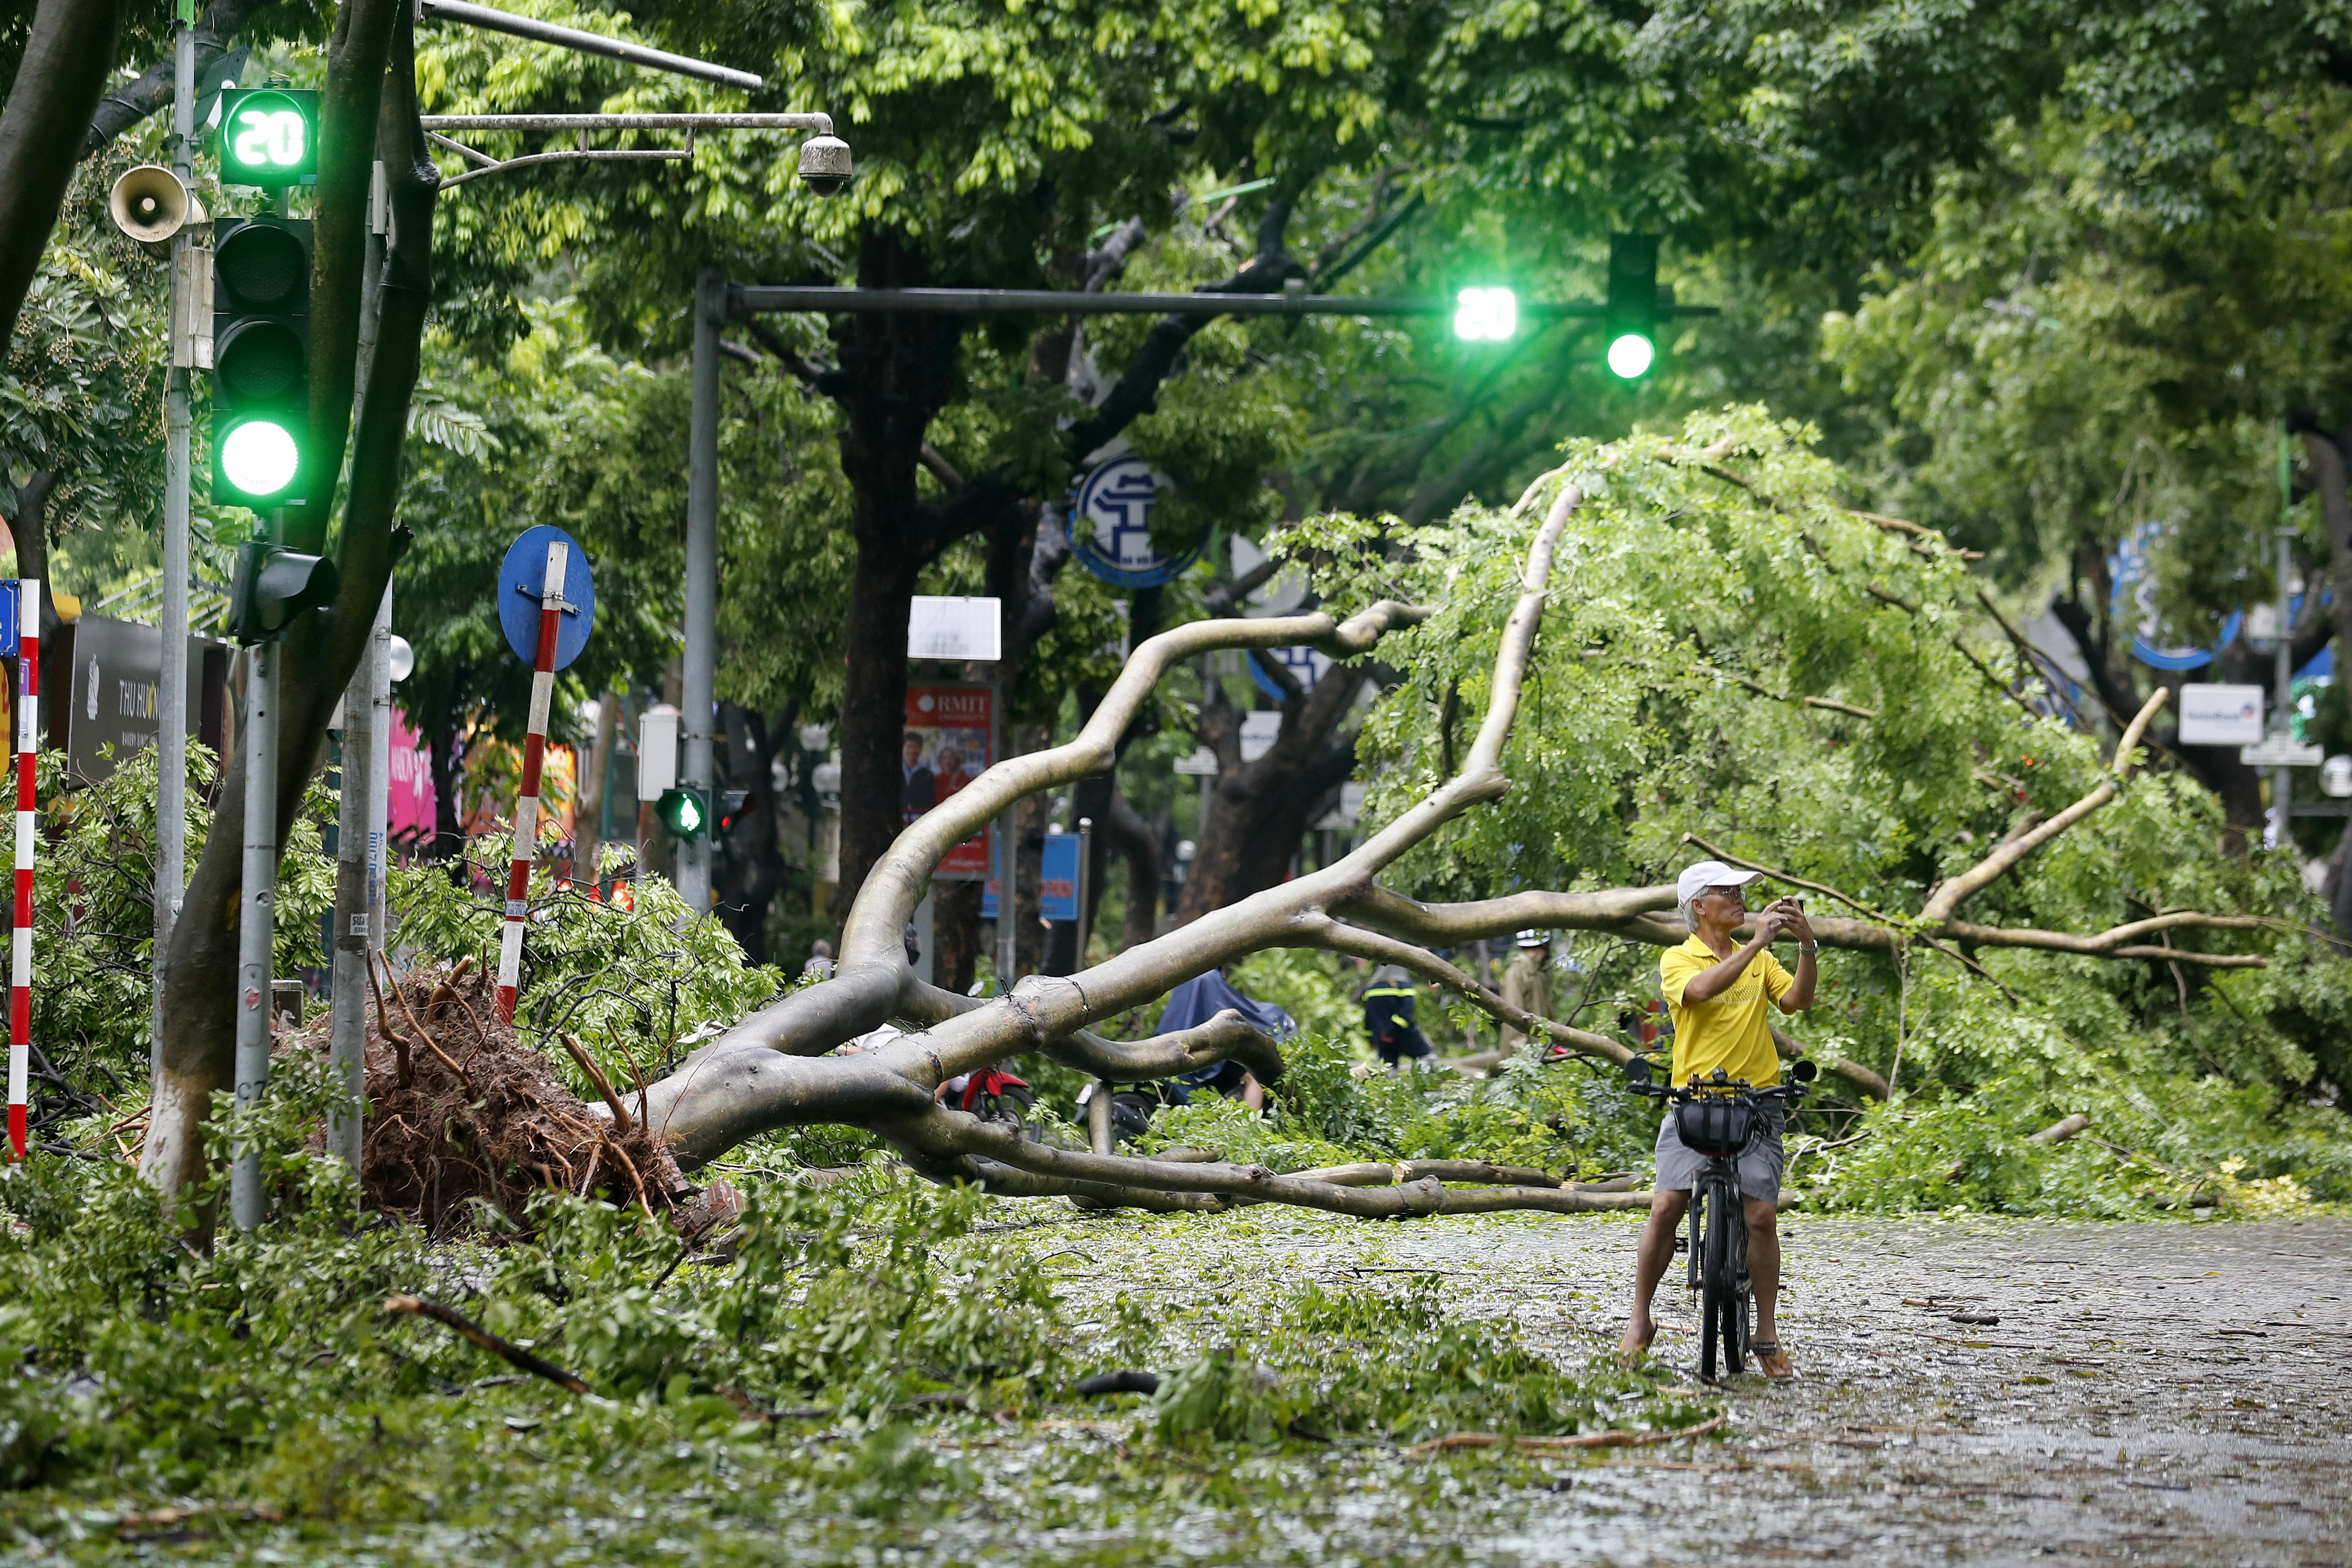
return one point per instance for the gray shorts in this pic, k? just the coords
(1759, 1167)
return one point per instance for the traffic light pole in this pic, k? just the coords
(172, 705)
(697, 687)
(257, 904)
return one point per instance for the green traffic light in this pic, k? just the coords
(684, 814)
(1631, 355)
(260, 460)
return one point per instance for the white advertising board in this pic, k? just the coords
(2213, 715)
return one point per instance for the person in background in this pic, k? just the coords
(1194, 1003)
(820, 960)
(1527, 984)
(1388, 1017)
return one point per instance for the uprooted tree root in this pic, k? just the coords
(460, 1109)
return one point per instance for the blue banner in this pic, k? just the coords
(1057, 888)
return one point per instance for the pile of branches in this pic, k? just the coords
(460, 1109)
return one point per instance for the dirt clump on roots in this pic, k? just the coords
(459, 1108)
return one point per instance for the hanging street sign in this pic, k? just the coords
(520, 584)
(1109, 525)
(955, 627)
(2282, 751)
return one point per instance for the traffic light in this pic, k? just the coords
(274, 585)
(1632, 310)
(269, 137)
(734, 805)
(684, 813)
(261, 352)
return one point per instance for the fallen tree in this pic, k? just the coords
(771, 1071)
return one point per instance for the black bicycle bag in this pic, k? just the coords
(1716, 1124)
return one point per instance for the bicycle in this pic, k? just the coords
(1717, 1120)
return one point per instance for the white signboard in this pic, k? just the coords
(2336, 776)
(945, 628)
(2221, 716)
(2281, 751)
(1201, 764)
(1259, 731)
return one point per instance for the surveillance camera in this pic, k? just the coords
(824, 164)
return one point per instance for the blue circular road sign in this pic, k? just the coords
(520, 578)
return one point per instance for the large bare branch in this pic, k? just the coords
(1952, 895)
(1044, 1009)
(1235, 1183)
(874, 980)
(1340, 938)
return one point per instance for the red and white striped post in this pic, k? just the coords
(534, 751)
(20, 974)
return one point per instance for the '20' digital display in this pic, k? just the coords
(269, 137)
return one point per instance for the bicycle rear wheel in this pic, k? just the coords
(1720, 1340)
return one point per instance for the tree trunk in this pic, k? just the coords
(1259, 811)
(444, 754)
(754, 865)
(68, 56)
(955, 934)
(897, 372)
(30, 528)
(2326, 455)
(588, 817)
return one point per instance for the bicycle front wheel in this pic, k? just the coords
(1720, 1340)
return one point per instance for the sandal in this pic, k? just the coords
(1631, 1359)
(1772, 1361)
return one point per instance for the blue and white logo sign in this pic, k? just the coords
(1308, 664)
(1110, 525)
(2133, 606)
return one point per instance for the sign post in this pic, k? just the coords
(20, 971)
(544, 579)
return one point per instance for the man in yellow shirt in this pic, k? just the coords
(1719, 991)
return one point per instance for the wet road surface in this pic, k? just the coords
(2173, 1393)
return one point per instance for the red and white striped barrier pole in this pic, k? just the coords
(20, 973)
(534, 751)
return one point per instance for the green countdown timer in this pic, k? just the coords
(269, 137)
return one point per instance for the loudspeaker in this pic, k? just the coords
(150, 203)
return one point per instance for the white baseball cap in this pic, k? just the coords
(1535, 938)
(1698, 878)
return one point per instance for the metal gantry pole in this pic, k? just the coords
(171, 701)
(2282, 778)
(699, 665)
(358, 841)
(257, 903)
(1008, 950)
(355, 936)
(379, 801)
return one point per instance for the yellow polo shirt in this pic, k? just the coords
(1734, 1031)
